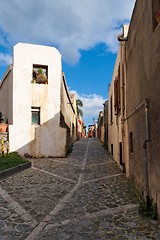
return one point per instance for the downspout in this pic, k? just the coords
(122, 44)
(122, 41)
(122, 82)
(146, 177)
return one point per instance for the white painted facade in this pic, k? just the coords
(18, 95)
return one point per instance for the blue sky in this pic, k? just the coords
(85, 32)
(93, 71)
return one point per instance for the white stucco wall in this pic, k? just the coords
(48, 138)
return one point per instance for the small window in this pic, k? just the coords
(131, 142)
(40, 74)
(35, 112)
(112, 149)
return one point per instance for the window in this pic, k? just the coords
(117, 98)
(35, 114)
(130, 142)
(155, 12)
(40, 74)
(112, 149)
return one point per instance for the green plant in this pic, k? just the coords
(1, 117)
(148, 210)
(105, 146)
(11, 160)
(70, 149)
(79, 105)
(39, 76)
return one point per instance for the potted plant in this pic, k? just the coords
(44, 80)
(3, 124)
(39, 76)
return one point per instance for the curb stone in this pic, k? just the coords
(13, 170)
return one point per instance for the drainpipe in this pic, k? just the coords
(146, 178)
(122, 39)
(122, 45)
(121, 79)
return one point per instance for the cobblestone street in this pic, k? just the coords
(82, 197)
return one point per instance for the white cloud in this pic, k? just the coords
(92, 105)
(70, 25)
(5, 59)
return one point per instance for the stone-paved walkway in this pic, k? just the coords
(82, 197)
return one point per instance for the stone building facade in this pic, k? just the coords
(143, 98)
(133, 114)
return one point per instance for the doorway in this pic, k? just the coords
(120, 154)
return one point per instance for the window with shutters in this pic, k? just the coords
(117, 97)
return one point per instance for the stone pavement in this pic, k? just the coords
(82, 197)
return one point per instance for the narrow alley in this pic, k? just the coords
(82, 197)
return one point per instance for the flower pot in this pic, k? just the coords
(3, 127)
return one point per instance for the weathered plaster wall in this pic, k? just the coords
(143, 70)
(68, 113)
